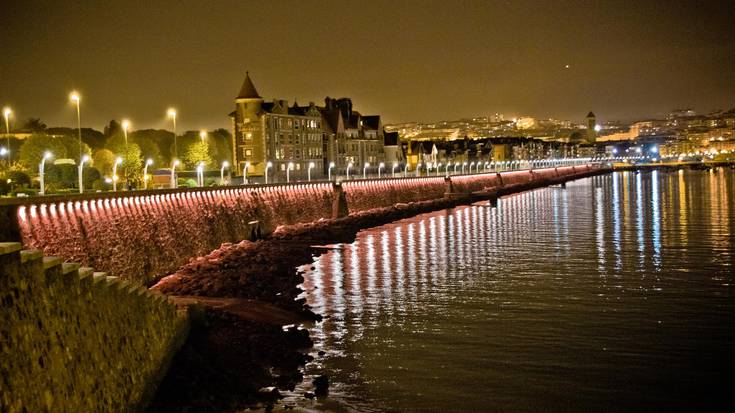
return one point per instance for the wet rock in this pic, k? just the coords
(321, 386)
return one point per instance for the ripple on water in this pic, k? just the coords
(613, 294)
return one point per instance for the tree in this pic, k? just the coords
(113, 128)
(132, 164)
(102, 159)
(222, 145)
(94, 138)
(196, 153)
(34, 125)
(35, 146)
(149, 148)
(62, 147)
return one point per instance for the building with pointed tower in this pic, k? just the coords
(274, 132)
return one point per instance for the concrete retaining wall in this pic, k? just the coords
(77, 341)
(144, 235)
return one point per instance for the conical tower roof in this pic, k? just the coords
(590, 115)
(247, 91)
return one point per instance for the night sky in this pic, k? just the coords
(409, 61)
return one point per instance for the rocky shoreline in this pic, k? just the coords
(245, 342)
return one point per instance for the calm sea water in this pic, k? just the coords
(613, 294)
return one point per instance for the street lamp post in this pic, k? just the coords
(41, 167)
(364, 170)
(172, 115)
(174, 164)
(380, 166)
(148, 162)
(329, 171)
(438, 167)
(118, 161)
(456, 165)
(463, 165)
(74, 97)
(288, 172)
(200, 175)
(84, 159)
(268, 166)
(125, 126)
(245, 173)
(405, 170)
(308, 172)
(6, 113)
(225, 164)
(393, 172)
(418, 169)
(349, 166)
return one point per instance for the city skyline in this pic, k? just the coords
(410, 62)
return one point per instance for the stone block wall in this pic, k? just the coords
(474, 183)
(77, 341)
(142, 236)
(370, 193)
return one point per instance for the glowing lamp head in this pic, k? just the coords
(85, 158)
(74, 97)
(225, 164)
(149, 161)
(171, 113)
(290, 165)
(125, 125)
(203, 135)
(654, 149)
(331, 164)
(47, 155)
(176, 163)
(118, 160)
(3, 151)
(598, 128)
(247, 164)
(311, 164)
(7, 112)
(367, 164)
(395, 164)
(269, 164)
(382, 165)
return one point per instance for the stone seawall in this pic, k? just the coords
(78, 341)
(144, 235)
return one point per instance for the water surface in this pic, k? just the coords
(615, 294)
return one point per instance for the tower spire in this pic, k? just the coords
(247, 91)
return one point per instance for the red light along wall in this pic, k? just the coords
(474, 183)
(368, 194)
(143, 237)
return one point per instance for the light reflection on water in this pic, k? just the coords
(614, 293)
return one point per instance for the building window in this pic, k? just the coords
(248, 152)
(283, 167)
(248, 136)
